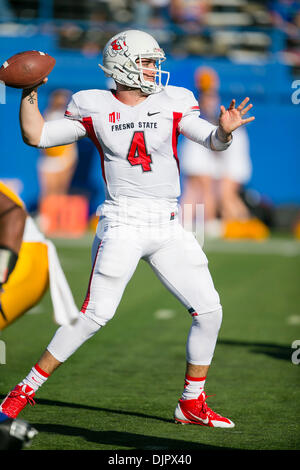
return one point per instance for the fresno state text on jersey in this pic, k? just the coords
(137, 144)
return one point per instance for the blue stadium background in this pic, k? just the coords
(268, 82)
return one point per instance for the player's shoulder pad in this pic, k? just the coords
(84, 102)
(90, 93)
(10, 194)
(88, 96)
(183, 100)
(178, 92)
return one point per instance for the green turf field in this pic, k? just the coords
(120, 389)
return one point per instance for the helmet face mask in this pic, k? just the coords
(122, 61)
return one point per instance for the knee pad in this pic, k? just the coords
(68, 338)
(210, 321)
(101, 311)
(203, 336)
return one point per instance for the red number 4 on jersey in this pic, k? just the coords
(137, 154)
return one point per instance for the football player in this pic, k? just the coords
(24, 262)
(12, 217)
(28, 261)
(135, 130)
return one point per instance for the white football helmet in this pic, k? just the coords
(122, 60)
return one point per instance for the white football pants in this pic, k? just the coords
(179, 262)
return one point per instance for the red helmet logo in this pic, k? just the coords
(116, 45)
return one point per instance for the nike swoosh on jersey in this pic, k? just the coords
(152, 114)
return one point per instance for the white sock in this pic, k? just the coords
(35, 378)
(193, 387)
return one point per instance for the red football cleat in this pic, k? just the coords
(197, 412)
(16, 400)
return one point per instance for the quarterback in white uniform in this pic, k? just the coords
(135, 130)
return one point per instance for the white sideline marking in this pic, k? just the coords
(293, 320)
(288, 248)
(164, 314)
(84, 242)
(277, 247)
(35, 310)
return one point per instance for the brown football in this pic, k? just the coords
(26, 69)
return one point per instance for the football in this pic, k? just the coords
(26, 69)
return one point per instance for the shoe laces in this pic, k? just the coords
(204, 408)
(20, 394)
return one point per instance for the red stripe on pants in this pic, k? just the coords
(87, 297)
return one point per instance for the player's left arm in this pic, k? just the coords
(216, 137)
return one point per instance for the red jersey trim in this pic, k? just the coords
(89, 127)
(175, 134)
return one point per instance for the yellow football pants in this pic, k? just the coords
(27, 283)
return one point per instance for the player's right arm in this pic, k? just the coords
(31, 120)
(36, 132)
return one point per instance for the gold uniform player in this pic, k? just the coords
(28, 262)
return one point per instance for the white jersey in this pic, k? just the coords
(137, 144)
